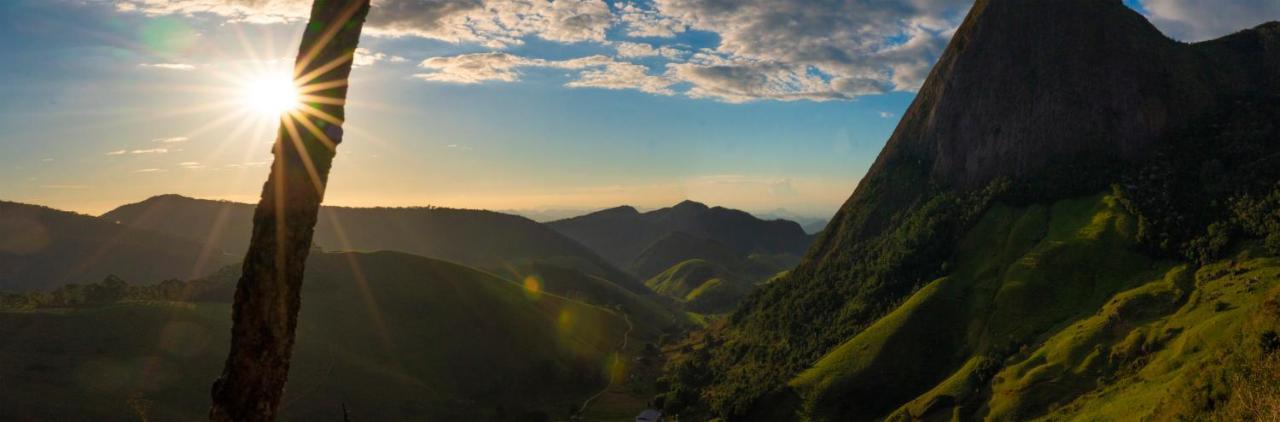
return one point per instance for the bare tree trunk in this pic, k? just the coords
(268, 298)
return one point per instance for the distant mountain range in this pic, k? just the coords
(482, 239)
(811, 225)
(42, 248)
(650, 242)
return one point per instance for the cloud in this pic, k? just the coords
(619, 75)
(191, 165)
(149, 170)
(473, 68)
(648, 23)
(150, 151)
(252, 11)
(1197, 20)
(169, 66)
(117, 152)
(171, 140)
(365, 57)
(886, 115)
(633, 49)
(596, 71)
(800, 49)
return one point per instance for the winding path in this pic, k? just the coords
(625, 336)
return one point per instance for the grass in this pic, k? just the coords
(1046, 312)
(388, 335)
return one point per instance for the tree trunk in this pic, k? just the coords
(265, 315)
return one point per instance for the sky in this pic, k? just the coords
(496, 104)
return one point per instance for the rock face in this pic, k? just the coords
(1026, 82)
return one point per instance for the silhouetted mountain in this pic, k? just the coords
(388, 336)
(42, 248)
(811, 225)
(483, 239)
(627, 237)
(1069, 207)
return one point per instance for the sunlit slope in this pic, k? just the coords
(1044, 306)
(388, 335)
(703, 286)
(481, 239)
(42, 248)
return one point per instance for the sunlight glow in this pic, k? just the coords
(272, 95)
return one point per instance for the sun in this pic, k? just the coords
(271, 95)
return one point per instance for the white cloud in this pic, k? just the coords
(593, 71)
(1197, 20)
(620, 75)
(171, 140)
(634, 49)
(152, 170)
(117, 152)
(473, 68)
(169, 66)
(648, 23)
(150, 151)
(365, 57)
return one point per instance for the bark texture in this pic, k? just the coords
(267, 300)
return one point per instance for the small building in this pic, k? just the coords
(649, 415)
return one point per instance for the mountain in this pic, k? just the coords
(811, 225)
(650, 242)
(384, 336)
(42, 248)
(1076, 218)
(482, 239)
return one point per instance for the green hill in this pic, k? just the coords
(481, 239)
(42, 248)
(705, 287)
(387, 335)
(1077, 218)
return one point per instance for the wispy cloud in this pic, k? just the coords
(171, 140)
(149, 170)
(150, 151)
(596, 71)
(365, 57)
(169, 66)
(118, 152)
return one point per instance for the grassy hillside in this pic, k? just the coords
(42, 248)
(704, 287)
(481, 239)
(1049, 313)
(388, 335)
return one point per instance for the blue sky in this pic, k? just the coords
(500, 104)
